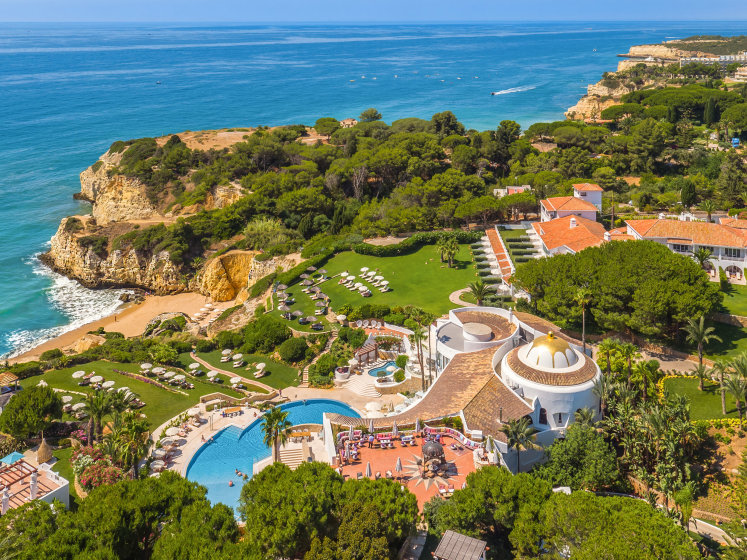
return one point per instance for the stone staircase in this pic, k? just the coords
(305, 372)
(362, 386)
(291, 457)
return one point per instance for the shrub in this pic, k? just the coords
(175, 324)
(204, 345)
(49, 355)
(228, 312)
(73, 225)
(401, 361)
(25, 369)
(523, 259)
(399, 376)
(293, 350)
(723, 281)
(117, 147)
(96, 243)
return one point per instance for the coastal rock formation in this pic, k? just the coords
(70, 254)
(225, 276)
(84, 343)
(114, 197)
(221, 196)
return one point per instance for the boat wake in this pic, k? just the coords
(513, 90)
(78, 304)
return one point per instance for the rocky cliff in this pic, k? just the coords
(225, 276)
(71, 253)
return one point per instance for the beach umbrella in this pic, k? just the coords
(208, 305)
(146, 365)
(235, 380)
(284, 308)
(378, 277)
(237, 357)
(363, 288)
(297, 313)
(351, 277)
(261, 366)
(78, 406)
(194, 411)
(311, 269)
(320, 304)
(157, 464)
(310, 319)
(41, 383)
(385, 282)
(306, 283)
(159, 453)
(398, 465)
(165, 442)
(78, 374)
(194, 365)
(123, 389)
(304, 276)
(180, 377)
(316, 289)
(97, 379)
(357, 285)
(490, 445)
(282, 296)
(417, 425)
(212, 374)
(67, 399)
(370, 425)
(341, 318)
(368, 469)
(344, 274)
(464, 485)
(322, 271)
(107, 384)
(172, 431)
(204, 309)
(351, 433)
(364, 269)
(159, 369)
(282, 287)
(227, 352)
(395, 430)
(169, 374)
(352, 362)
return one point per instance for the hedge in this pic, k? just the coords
(519, 245)
(482, 265)
(412, 244)
(523, 259)
(522, 252)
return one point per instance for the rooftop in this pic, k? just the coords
(7, 378)
(567, 204)
(585, 373)
(493, 402)
(698, 233)
(559, 233)
(587, 187)
(18, 479)
(455, 546)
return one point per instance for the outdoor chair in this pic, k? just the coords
(359, 476)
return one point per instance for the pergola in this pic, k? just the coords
(7, 379)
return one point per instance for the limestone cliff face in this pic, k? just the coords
(120, 268)
(115, 197)
(225, 276)
(221, 196)
(598, 97)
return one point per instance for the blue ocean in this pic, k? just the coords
(68, 91)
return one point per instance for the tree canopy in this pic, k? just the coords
(30, 411)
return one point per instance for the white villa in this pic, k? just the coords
(585, 202)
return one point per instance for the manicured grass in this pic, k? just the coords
(418, 279)
(160, 404)
(511, 235)
(303, 303)
(735, 300)
(185, 359)
(734, 341)
(63, 467)
(705, 404)
(280, 375)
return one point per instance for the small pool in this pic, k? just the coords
(214, 464)
(381, 370)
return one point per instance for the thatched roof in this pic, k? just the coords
(44, 453)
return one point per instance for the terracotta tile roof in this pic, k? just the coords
(7, 378)
(587, 187)
(568, 204)
(503, 259)
(544, 326)
(558, 233)
(585, 373)
(735, 223)
(483, 412)
(699, 233)
(501, 327)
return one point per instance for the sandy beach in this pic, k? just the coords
(130, 320)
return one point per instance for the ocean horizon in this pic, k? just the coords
(70, 90)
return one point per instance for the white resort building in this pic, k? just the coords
(21, 482)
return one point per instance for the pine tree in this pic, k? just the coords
(672, 114)
(306, 226)
(710, 113)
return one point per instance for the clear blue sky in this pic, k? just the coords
(367, 11)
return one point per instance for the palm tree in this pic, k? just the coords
(718, 370)
(97, 407)
(609, 345)
(701, 372)
(628, 352)
(440, 246)
(582, 297)
(700, 335)
(646, 371)
(122, 400)
(275, 430)
(584, 416)
(450, 250)
(519, 435)
(417, 337)
(737, 386)
(703, 256)
(708, 207)
(479, 290)
(603, 389)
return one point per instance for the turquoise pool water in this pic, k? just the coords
(381, 370)
(214, 464)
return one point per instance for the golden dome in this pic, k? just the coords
(551, 352)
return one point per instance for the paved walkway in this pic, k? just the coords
(454, 298)
(231, 373)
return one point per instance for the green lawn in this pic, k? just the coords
(160, 404)
(416, 279)
(735, 300)
(63, 467)
(734, 341)
(303, 303)
(705, 404)
(280, 375)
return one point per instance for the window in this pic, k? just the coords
(680, 248)
(559, 417)
(707, 248)
(733, 253)
(543, 416)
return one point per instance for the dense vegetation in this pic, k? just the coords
(638, 286)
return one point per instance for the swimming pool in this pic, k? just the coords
(214, 464)
(381, 370)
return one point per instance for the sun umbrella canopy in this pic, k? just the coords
(310, 318)
(159, 369)
(306, 283)
(352, 362)
(357, 284)
(227, 352)
(322, 271)
(284, 308)
(344, 274)
(157, 464)
(78, 406)
(385, 282)
(237, 357)
(261, 365)
(398, 465)
(146, 365)
(204, 309)
(169, 374)
(282, 287)
(316, 289)
(194, 411)
(320, 304)
(311, 269)
(180, 377)
(395, 430)
(67, 399)
(341, 318)
(304, 276)
(363, 288)
(170, 440)
(297, 313)
(364, 269)
(78, 374)
(370, 425)
(235, 380)
(172, 431)
(378, 277)
(194, 366)
(97, 379)
(417, 425)
(212, 374)
(107, 384)
(351, 277)
(368, 469)
(159, 453)
(351, 433)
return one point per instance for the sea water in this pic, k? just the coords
(68, 91)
